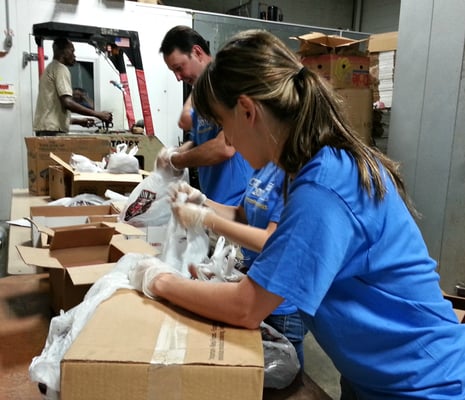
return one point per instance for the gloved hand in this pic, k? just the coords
(147, 269)
(190, 215)
(163, 161)
(194, 195)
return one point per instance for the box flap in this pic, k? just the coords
(88, 274)
(382, 42)
(64, 211)
(315, 43)
(134, 246)
(64, 164)
(164, 335)
(107, 177)
(39, 257)
(81, 236)
(125, 229)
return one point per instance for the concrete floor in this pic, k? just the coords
(320, 368)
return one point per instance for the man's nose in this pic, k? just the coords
(178, 77)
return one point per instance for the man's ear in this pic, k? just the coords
(197, 51)
(247, 107)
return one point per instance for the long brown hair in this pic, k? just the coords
(258, 64)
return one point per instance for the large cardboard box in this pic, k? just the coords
(340, 60)
(55, 216)
(95, 147)
(67, 182)
(77, 257)
(38, 156)
(382, 42)
(136, 348)
(148, 146)
(358, 104)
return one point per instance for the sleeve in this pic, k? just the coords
(63, 82)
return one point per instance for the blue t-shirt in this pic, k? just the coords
(225, 182)
(263, 203)
(360, 273)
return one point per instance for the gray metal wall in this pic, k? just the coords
(427, 130)
(216, 28)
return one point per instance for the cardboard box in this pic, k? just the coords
(158, 351)
(342, 61)
(341, 71)
(55, 216)
(382, 42)
(77, 257)
(66, 182)
(148, 146)
(95, 147)
(38, 156)
(358, 105)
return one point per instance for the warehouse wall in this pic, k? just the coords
(375, 15)
(427, 131)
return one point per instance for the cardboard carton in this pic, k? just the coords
(66, 182)
(358, 105)
(95, 147)
(38, 156)
(136, 348)
(340, 60)
(77, 257)
(55, 216)
(382, 42)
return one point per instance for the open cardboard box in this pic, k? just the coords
(77, 257)
(340, 60)
(55, 216)
(64, 181)
(158, 351)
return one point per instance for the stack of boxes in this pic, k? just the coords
(382, 52)
(345, 65)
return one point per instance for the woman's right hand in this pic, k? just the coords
(194, 195)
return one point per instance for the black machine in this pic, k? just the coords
(114, 43)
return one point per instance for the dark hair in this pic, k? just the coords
(259, 65)
(60, 44)
(182, 38)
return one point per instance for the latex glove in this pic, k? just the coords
(190, 215)
(194, 195)
(163, 161)
(147, 269)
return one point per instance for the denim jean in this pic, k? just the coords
(291, 326)
(347, 392)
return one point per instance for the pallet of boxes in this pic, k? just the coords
(344, 63)
(382, 49)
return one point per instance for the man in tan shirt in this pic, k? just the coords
(55, 98)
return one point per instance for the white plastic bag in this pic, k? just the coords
(220, 267)
(184, 247)
(64, 328)
(149, 202)
(123, 161)
(83, 164)
(281, 361)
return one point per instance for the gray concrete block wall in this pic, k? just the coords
(377, 15)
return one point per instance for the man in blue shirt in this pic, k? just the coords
(223, 173)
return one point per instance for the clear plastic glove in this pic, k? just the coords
(190, 215)
(147, 269)
(163, 161)
(194, 195)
